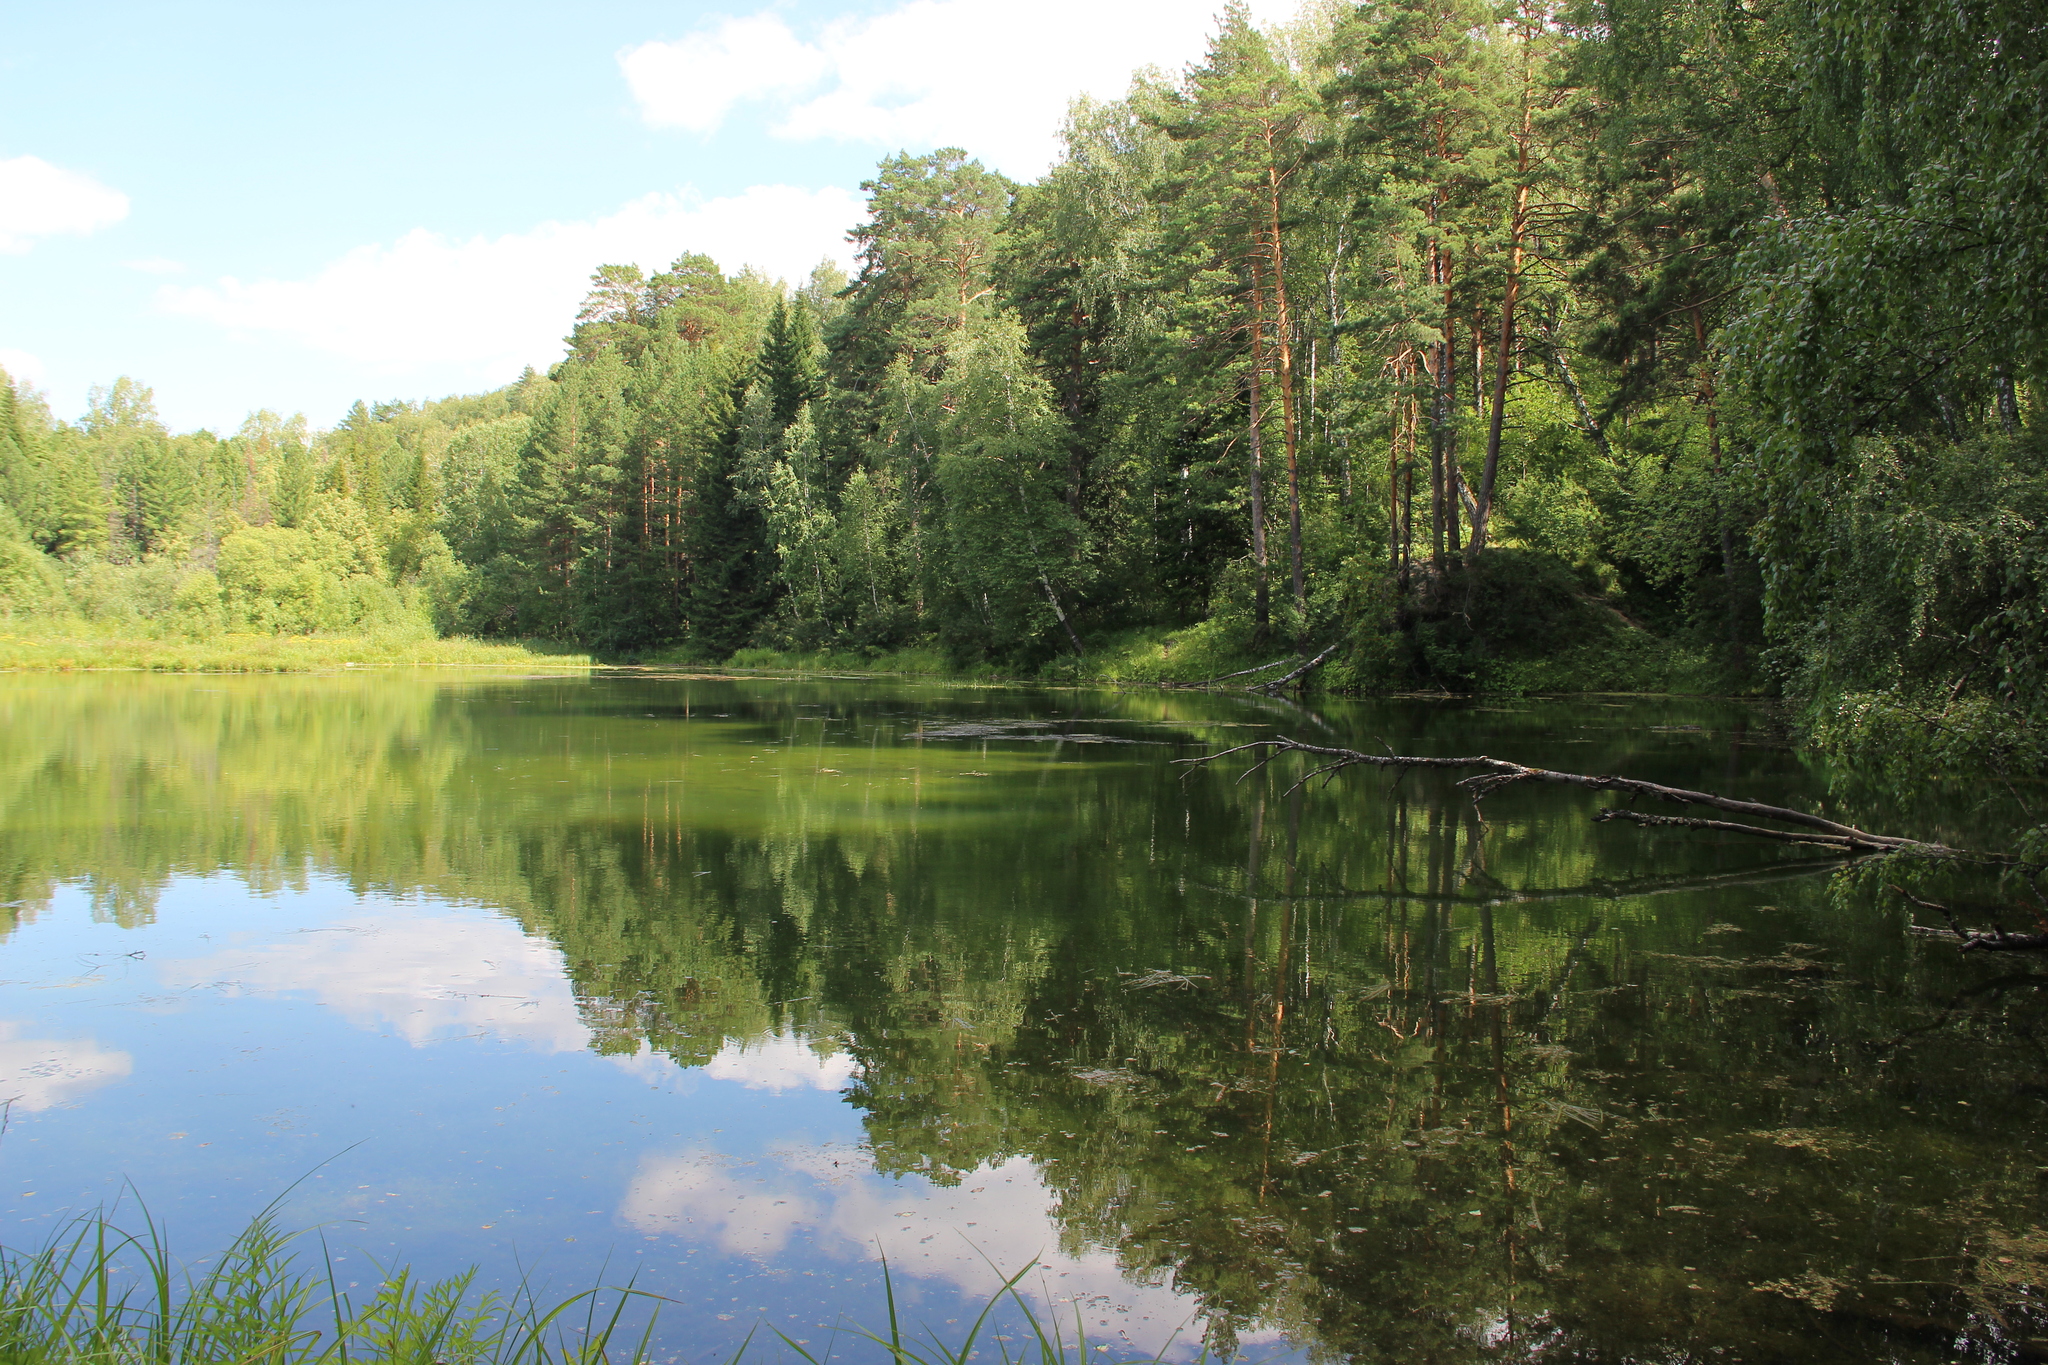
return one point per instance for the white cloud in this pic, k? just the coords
(39, 200)
(42, 1073)
(22, 367)
(693, 82)
(422, 977)
(494, 304)
(994, 79)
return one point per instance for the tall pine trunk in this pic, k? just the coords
(1444, 440)
(1261, 603)
(1518, 221)
(1283, 329)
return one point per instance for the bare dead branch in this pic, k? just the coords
(1279, 683)
(1994, 941)
(1834, 841)
(1494, 773)
(1241, 673)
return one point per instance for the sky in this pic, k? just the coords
(292, 207)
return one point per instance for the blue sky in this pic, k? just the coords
(293, 206)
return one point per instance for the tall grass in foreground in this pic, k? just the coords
(94, 1294)
(97, 1295)
(1048, 1344)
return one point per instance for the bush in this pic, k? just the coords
(1509, 607)
(197, 600)
(29, 583)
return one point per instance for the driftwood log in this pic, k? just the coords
(1489, 775)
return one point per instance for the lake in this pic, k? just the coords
(738, 986)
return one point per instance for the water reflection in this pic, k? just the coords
(423, 974)
(758, 982)
(45, 1073)
(782, 1061)
(999, 1215)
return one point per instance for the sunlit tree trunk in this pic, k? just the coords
(1518, 224)
(1283, 332)
(1261, 605)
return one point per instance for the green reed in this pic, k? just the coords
(96, 1294)
(1048, 1343)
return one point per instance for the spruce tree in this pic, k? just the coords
(790, 362)
(733, 570)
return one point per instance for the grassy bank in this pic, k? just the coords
(99, 1294)
(81, 652)
(1617, 659)
(1614, 659)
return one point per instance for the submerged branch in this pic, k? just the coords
(1679, 883)
(1489, 775)
(1494, 773)
(1995, 941)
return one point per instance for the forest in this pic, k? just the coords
(1476, 346)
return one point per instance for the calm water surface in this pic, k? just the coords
(741, 985)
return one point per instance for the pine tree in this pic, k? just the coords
(733, 569)
(1242, 117)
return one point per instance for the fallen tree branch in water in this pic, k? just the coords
(1762, 875)
(1495, 773)
(1812, 830)
(1276, 684)
(1996, 941)
(1271, 684)
(1241, 673)
(1839, 842)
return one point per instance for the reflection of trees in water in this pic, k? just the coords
(121, 783)
(1350, 1063)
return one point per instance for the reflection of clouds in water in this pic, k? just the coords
(747, 1209)
(998, 1218)
(42, 1073)
(421, 975)
(768, 1061)
(781, 1061)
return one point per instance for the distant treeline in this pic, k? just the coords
(1476, 337)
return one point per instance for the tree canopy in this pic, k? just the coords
(1547, 343)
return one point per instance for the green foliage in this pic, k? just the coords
(1014, 544)
(29, 582)
(1918, 635)
(1723, 322)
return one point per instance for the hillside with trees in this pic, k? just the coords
(1613, 343)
